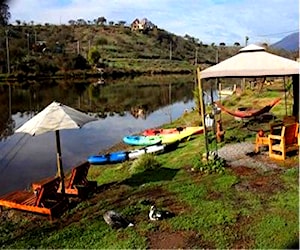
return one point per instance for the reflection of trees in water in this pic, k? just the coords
(139, 112)
(141, 96)
(146, 96)
(8, 129)
(7, 124)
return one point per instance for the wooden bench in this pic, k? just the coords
(78, 184)
(287, 141)
(44, 200)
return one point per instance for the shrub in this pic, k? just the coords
(214, 164)
(101, 41)
(145, 162)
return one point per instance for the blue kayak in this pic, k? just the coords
(141, 140)
(110, 158)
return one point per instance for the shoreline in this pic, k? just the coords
(119, 146)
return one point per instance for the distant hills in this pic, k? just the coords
(289, 43)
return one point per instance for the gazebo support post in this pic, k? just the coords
(202, 112)
(285, 97)
(295, 79)
(214, 115)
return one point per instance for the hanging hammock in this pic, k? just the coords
(248, 112)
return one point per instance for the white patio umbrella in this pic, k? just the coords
(55, 117)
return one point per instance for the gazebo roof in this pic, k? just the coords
(252, 61)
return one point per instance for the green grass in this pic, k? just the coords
(109, 173)
(275, 231)
(149, 64)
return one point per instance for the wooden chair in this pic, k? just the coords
(78, 184)
(44, 200)
(287, 141)
(289, 119)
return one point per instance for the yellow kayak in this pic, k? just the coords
(187, 132)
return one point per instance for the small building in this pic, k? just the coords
(39, 46)
(142, 25)
(135, 25)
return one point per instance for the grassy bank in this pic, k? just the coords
(115, 68)
(244, 207)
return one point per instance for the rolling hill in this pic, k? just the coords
(289, 43)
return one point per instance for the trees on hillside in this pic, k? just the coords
(101, 20)
(4, 14)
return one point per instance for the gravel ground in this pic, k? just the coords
(234, 152)
(242, 154)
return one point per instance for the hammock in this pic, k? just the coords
(248, 112)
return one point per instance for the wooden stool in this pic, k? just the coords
(261, 141)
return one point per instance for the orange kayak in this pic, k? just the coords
(169, 131)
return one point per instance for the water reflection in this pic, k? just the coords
(24, 159)
(139, 112)
(7, 123)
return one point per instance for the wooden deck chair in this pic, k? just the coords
(279, 145)
(78, 184)
(44, 200)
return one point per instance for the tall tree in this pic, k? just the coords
(4, 14)
(101, 20)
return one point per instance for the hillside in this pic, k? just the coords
(52, 48)
(289, 43)
(57, 50)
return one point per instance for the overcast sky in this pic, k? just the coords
(210, 21)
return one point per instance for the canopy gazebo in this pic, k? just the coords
(252, 61)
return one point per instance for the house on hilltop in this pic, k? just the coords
(142, 25)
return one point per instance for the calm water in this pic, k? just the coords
(25, 159)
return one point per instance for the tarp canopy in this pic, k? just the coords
(252, 61)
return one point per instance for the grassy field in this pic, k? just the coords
(241, 207)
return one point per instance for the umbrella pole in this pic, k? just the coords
(59, 163)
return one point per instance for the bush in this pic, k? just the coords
(145, 162)
(101, 41)
(214, 164)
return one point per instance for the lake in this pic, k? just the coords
(116, 105)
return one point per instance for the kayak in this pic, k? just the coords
(178, 130)
(154, 149)
(141, 140)
(184, 134)
(159, 131)
(114, 157)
